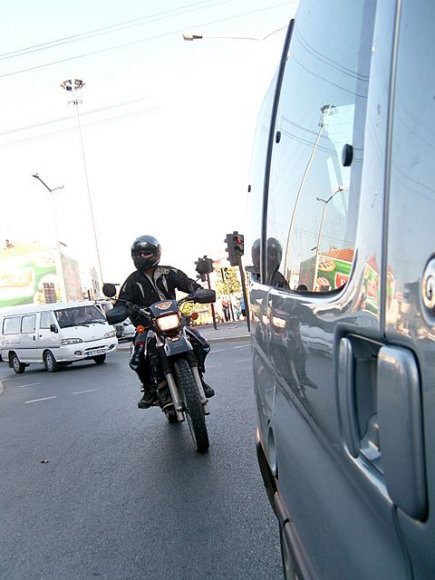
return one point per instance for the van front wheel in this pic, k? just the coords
(17, 365)
(51, 364)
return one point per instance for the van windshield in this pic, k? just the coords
(79, 316)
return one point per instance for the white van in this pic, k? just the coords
(55, 334)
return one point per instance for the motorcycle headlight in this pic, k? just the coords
(110, 334)
(71, 340)
(169, 322)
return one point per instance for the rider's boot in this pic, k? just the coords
(148, 399)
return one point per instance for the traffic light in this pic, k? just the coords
(232, 256)
(204, 265)
(239, 243)
(235, 247)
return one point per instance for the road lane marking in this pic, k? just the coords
(243, 346)
(38, 400)
(86, 391)
(218, 350)
(29, 385)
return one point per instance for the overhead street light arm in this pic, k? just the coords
(190, 36)
(36, 176)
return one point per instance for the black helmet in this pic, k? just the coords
(274, 254)
(146, 251)
(255, 255)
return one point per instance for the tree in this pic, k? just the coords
(230, 281)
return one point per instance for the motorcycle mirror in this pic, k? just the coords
(204, 296)
(109, 290)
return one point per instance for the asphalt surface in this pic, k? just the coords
(92, 487)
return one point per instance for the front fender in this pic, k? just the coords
(175, 347)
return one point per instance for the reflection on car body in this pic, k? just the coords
(342, 243)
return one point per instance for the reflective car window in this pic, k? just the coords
(316, 163)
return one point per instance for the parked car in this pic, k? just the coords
(342, 296)
(125, 330)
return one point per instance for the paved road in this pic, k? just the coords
(93, 487)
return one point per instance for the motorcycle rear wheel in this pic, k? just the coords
(192, 405)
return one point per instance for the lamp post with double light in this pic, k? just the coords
(58, 256)
(322, 221)
(326, 111)
(74, 87)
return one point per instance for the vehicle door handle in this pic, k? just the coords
(346, 397)
(401, 429)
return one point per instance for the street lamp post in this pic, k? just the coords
(190, 36)
(53, 210)
(319, 235)
(74, 86)
(326, 112)
(58, 257)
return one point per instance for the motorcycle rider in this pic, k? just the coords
(149, 283)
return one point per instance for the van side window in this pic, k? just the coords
(28, 323)
(316, 162)
(46, 320)
(11, 325)
(255, 189)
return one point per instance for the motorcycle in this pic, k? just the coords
(174, 365)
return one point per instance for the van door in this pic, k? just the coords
(46, 337)
(406, 383)
(323, 256)
(28, 351)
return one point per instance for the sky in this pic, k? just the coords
(167, 125)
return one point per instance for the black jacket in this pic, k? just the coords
(143, 291)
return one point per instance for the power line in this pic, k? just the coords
(65, 118)
(108, 29)
(138, 41)
(68, 129)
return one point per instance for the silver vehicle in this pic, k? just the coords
(342, 201)
(125, 330)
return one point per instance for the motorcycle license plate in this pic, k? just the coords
(95, 352)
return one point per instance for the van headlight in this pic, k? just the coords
(110, 334)
(169, 322)
(71, 340)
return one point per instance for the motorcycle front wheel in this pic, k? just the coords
(192, 404)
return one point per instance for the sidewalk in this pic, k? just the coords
(224, 331)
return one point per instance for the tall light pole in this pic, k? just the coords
(322, 221)
(51, 190)
(326, 112)
(74, 86)
(58, 256)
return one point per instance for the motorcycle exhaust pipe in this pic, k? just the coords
(175, 397)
